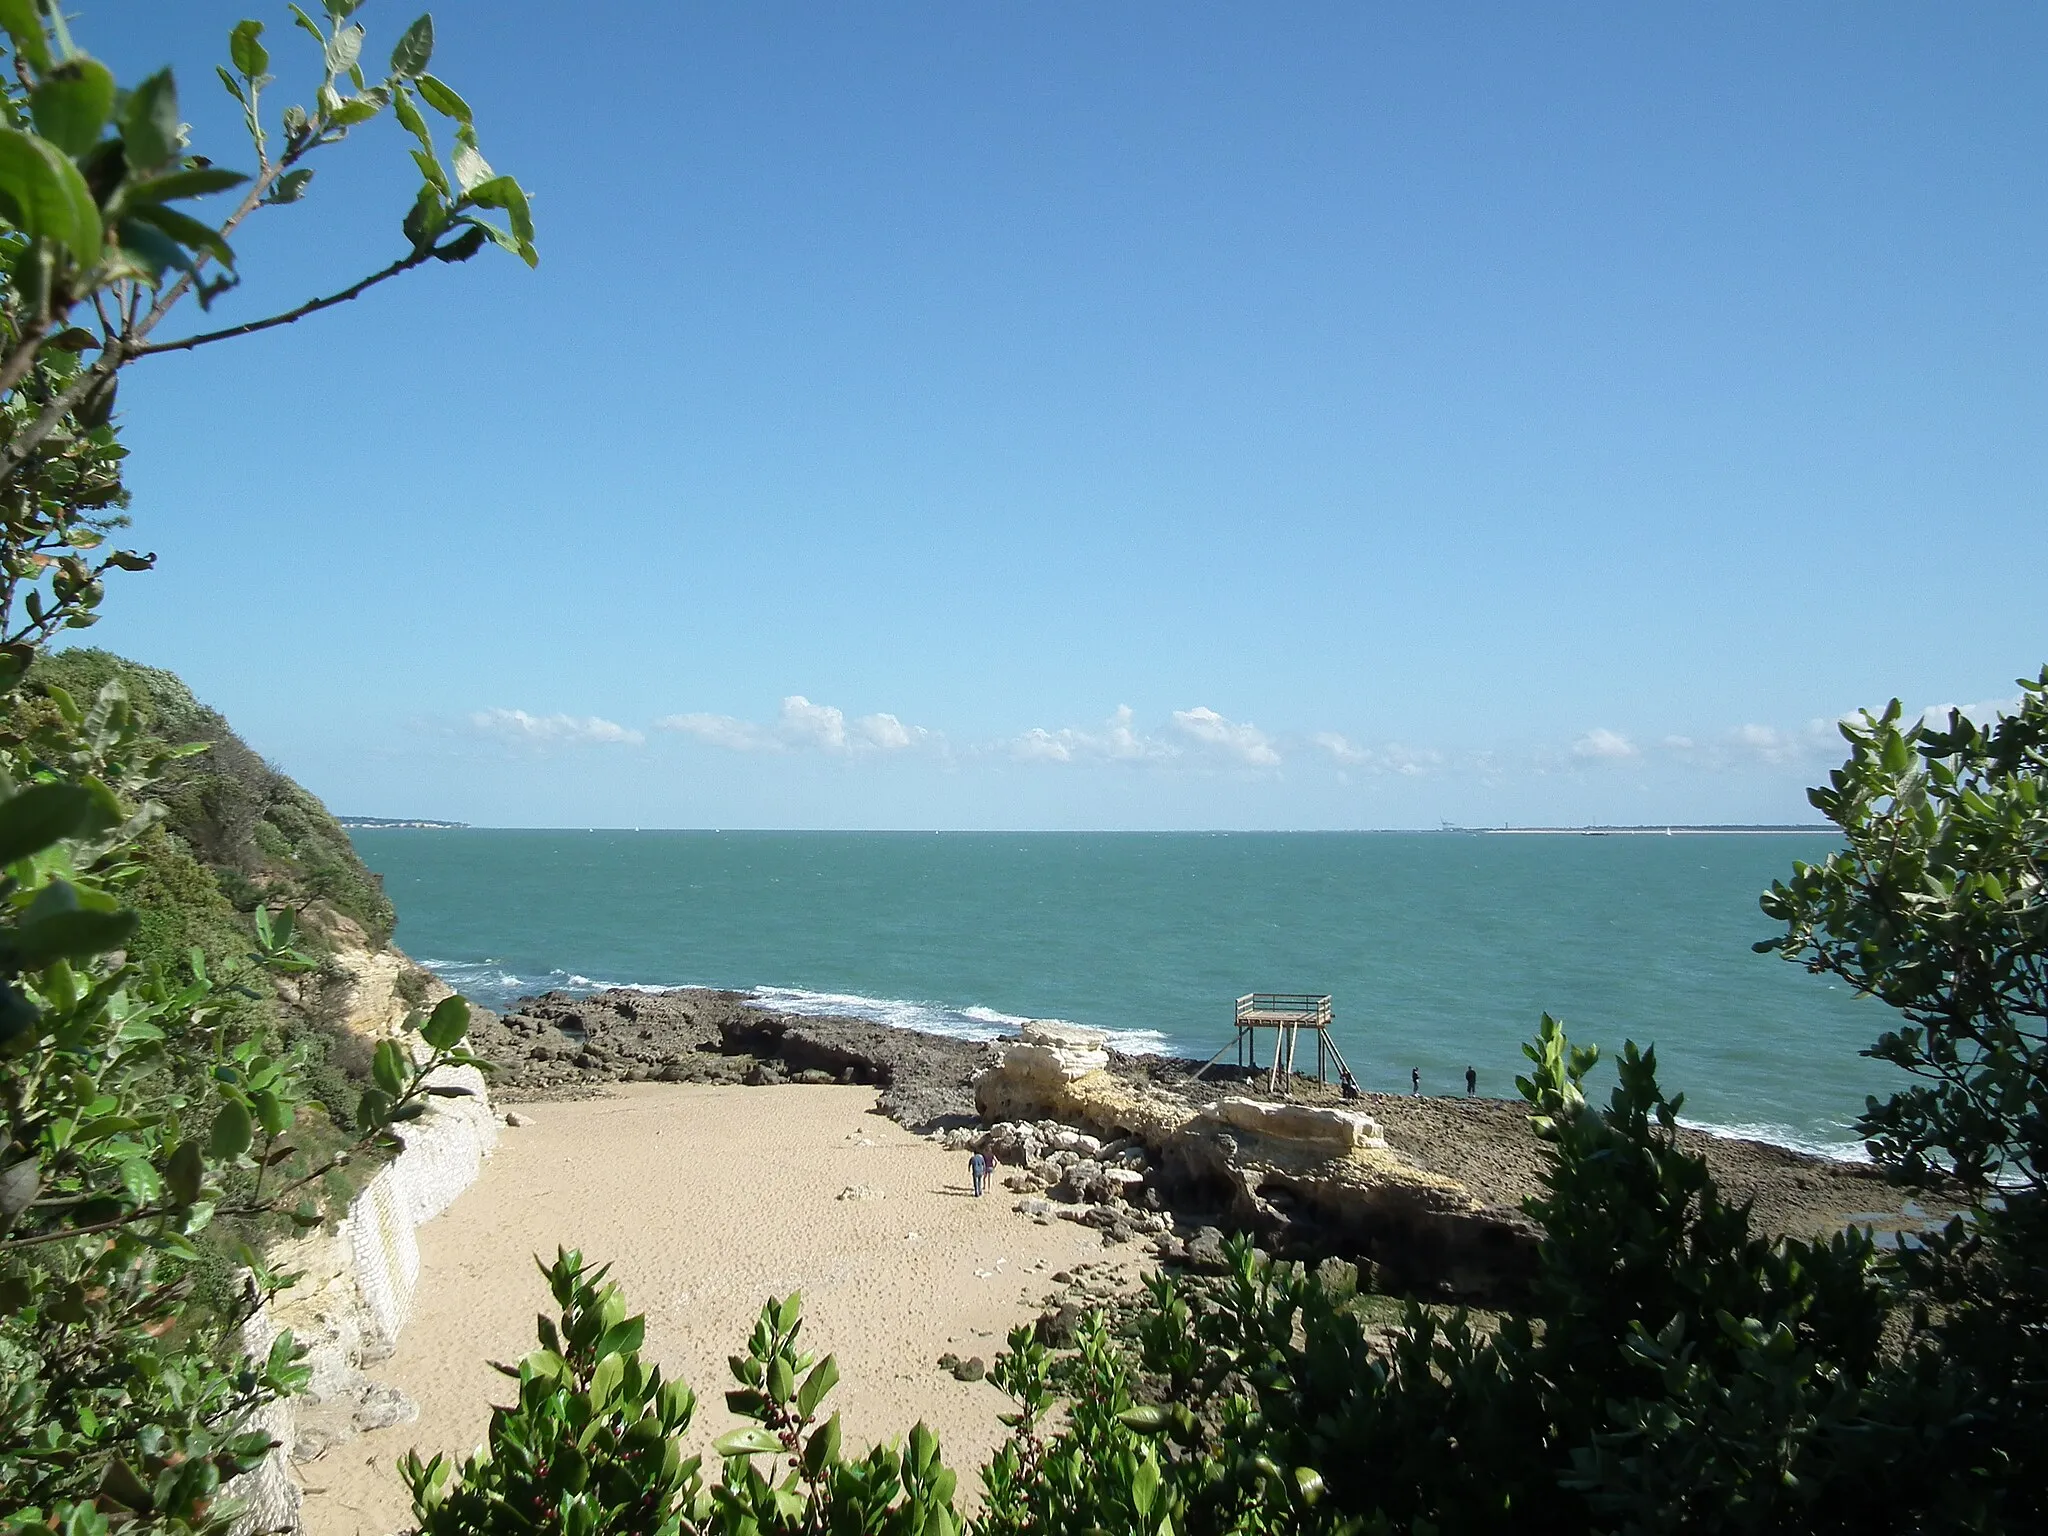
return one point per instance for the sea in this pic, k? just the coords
(1440, 950)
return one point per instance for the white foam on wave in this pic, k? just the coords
(1782, 1136)
(971, 1023)
(490, 983)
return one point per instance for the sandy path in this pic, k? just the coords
(706, 1200)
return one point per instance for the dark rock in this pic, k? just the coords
(1205, 1252)
(558, 1044)
(973, 1368)
(1060, 1326)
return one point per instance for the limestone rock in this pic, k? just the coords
(860, 1192)
(1340, 1130)
(1052, 1053)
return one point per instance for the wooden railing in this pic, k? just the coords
(1293, 1007)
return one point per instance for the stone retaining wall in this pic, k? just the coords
(357, 1295)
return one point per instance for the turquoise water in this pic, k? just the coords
(1441, 950)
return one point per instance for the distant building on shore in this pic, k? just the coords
(381, 822)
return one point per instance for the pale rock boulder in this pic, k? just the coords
(1338, 1130)
(1053, 1052)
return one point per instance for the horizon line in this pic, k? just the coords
(1650, 829)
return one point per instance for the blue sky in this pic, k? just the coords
(1138, 415)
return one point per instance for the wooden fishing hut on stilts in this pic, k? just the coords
(1287, 1014)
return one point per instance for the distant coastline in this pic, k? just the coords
(382, 822)
(1673, 830)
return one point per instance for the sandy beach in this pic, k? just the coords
(706, 1200)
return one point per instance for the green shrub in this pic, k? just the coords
(145, 1100)
(593, 1446)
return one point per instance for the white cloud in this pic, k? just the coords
(886, 733)
(1601, 744)
(1392, 758)
(1191, 733)
(722, 731)
(802, 726)
(1981, 713)
(516, 725)
(1244, 742)
(1119, 741)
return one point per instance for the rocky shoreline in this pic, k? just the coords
(559, 1045)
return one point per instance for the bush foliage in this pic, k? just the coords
(153, 872)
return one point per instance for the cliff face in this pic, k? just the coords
(238, 833)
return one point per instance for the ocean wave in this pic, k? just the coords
(970, 1023)
(1783, 1136)
(492, 984)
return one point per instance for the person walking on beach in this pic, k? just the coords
(977, 1170)
(1415, 1080)
(1471, 1082)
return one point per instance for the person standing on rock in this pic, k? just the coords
(1471, 1082)
(1415, 1080)
(977, 1170)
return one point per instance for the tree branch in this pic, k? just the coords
(310, 307)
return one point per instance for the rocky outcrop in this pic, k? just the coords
(1314, 1125)
(1307, 1181)
(365, 991)
(561, 1044)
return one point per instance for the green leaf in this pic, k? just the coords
(246, 49)
(149, 122)
(34, 819)
(289, 187)
(201, 182)
(273, 1113)
(503, 192)
(409, 118)
(18, 1016)
(822, 1379)
(41, 193)
(188, 232)
(66, 936)
(72, 104)
(443, 100)
(233, 1130)
(373, 1108)
(343, 49)
(753, 1440)
(24, 24)
(414, 49)
(355, 111)
(388, 1068)
(150, 248)
(463, 246)
(184, 1172)
(448, 1023)
(472, 170)
(622, 1338)
(823, 1448)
